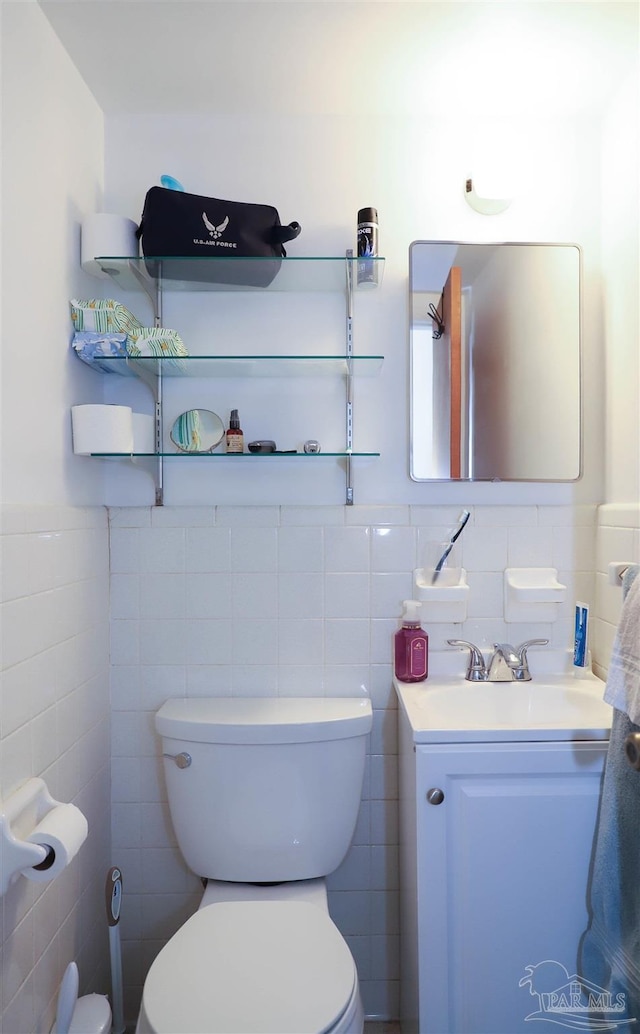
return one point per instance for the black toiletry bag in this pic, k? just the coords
(177, 227)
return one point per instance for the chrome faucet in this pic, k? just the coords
(503, 663)
(506, 664)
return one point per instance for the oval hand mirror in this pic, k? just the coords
(197, 430)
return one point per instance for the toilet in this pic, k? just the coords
(264, 796)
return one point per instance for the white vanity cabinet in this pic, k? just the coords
(493, 877)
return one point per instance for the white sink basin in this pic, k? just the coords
(450, 709)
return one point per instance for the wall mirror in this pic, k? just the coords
(495, 343)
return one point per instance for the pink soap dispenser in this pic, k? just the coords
(411, 646)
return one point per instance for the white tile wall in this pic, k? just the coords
(54, 723)
(294, 600)
(618, 539)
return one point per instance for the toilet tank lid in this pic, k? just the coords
(264, 719)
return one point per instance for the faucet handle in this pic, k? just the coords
(523, 674)
(476, 670)
(522, 649)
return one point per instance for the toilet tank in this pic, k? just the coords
(272, 789)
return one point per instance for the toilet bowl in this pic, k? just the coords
(271, 961)
(268, 789)
(267, 967)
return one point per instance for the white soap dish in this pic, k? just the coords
(532, 594)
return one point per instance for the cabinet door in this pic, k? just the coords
(503, 864)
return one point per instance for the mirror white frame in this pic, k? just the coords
(497, 397)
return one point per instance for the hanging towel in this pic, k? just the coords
(610, 948)
(623, 684)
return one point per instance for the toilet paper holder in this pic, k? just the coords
(19, 815)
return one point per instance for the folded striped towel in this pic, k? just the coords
(158, 343)
(103, 315)
(111, 323)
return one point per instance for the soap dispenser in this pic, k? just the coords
(411, 646)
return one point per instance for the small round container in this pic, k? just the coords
(262, 445)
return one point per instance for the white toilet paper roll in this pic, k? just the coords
(144, 433)
(99, 428)
(62, 832)
(104, 234)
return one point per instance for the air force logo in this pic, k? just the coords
(215, 231)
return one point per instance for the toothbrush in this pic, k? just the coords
(462, 520)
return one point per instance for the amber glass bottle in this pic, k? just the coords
(235, 437)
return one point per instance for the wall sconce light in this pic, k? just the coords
(484, 205)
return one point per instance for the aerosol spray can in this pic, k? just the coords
(367, 247)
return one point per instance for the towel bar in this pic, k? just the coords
(617, 570)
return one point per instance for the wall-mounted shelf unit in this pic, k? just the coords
(213, 274)
(232, 456)
(221, 273)
(248, 366)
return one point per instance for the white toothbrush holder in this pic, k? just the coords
(444, 600)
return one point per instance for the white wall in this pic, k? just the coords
(618, 530)
(320, 170)
(54, 723)
(617, 540)
(621, 299)
(52, 174)
(54, 610)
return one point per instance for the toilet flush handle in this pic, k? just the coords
(182, 760)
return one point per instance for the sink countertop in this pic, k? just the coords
(448, 709)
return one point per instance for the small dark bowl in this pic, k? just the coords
(264, 445)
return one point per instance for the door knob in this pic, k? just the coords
(435, 795)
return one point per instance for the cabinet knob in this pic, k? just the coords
(435, 795)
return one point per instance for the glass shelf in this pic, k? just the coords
(247, 365)
(217, 272)
(230, 455)
(155, 275)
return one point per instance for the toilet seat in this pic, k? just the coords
(259, 967)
